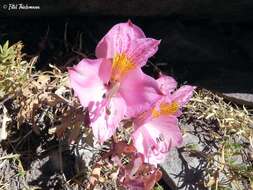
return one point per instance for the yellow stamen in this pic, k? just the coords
(120, 66)
(165, 109)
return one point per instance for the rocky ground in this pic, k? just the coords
(216, 152)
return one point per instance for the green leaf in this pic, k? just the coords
(1, 49)
(6, 45)
(158, 187)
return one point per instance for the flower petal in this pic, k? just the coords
(105, 70)
(108, 121)
(155, 138)
(140, 92)
(183, 94)
(118, 39)
(140, 50)
(168, 126)
(85, 80)
(166, 84)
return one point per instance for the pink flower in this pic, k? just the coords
(157, 131)
(113, 86)
(138, 175)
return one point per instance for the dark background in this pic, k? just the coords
(205, 43)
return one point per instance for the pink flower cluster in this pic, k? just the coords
(113, 88)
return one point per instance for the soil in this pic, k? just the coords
(39, 164)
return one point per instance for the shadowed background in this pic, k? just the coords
(207, 43)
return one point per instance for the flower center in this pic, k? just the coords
(165, 109)
(113, 90)
(120, 66)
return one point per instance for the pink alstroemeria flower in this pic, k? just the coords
(113, 86)
(157, 131)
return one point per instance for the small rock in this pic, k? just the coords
(184, 169)
(240, 98)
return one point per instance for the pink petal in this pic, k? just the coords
(183, 94)
(136, 184)
(167, 84)
(118, 39)
(105, 70)
(140, 50)
(85, 81)
(137, 163)
(144, 144)
(140, 92)
(108, 121)
(168, 126)
(155, 138)
(138, 141)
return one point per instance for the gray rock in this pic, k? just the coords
(240, 98)
(188, 167)
(187, 171)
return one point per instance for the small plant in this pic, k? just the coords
(113, 89)
(14, 71)
(129, 112)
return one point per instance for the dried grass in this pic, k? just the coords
(231, 128)
(38, 98)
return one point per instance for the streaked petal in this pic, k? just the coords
(140, 50)
(183, 94)
(155, 138)
(138, 141)
(109, 119)
(85, 81)
(118, 39)
(168, 127)
(105, 70)
(140, 92)
(166, 84)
